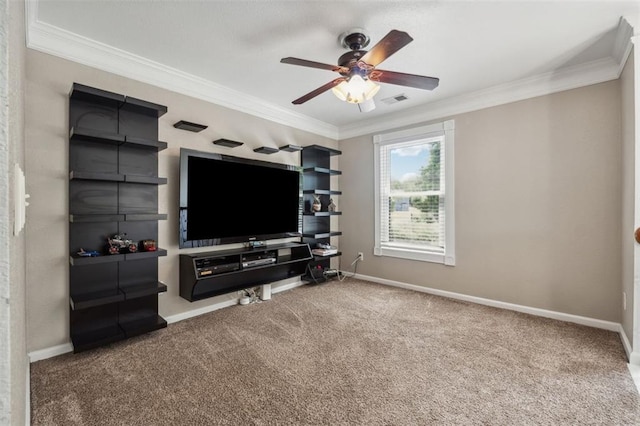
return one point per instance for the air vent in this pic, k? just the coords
(395, 99)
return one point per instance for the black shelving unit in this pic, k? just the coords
(113, 189)
(316, 225)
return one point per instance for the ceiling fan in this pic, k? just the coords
(358, 71)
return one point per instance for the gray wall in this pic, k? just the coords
(538, 205)
(49, 80)
(627, 88)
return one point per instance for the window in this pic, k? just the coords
(414, 214)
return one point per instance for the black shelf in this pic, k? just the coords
(95, 136)
(320, 151)
(138, 142)
(321, 214)
(321, 235)
(97, 337)
(228, 143)
(115, 177)
(143, 107)
(143, 325)
(92, 218)
(318, 257)
(191, 127)
(142, 290)
(80, 92)
(98, 298)
(113, 180)
(322, 170)
(266, 150)
(90, 135)
(291, 148)
(77, 260)
(321, 192)
(107, 177)
(316, 225)
(144, 216)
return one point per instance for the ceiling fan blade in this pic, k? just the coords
(390, 44)
(402, 79)
(318, 91)
(312, 64)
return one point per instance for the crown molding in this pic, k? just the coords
(67, 45)
(623, 43)
(564, 79)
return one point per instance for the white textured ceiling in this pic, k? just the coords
(471, 46)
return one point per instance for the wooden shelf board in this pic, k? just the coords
(321, 192)
(90, 135)
(291, 148)
(328, 150)
(90, 94)
(228, 143)
(85, 218)
(321, 170)
(319, 235)
(107, 177)
(145, 143)
(143, 325)
(76, 260)
(142, 290)
(96, 337)
(97, 298)
(145, 107)
(322, 213)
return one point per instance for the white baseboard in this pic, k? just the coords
(50, 352)
(286, 287)
(200, 311)
(625, 343)
(576, 319)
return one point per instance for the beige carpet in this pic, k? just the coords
(346, 353)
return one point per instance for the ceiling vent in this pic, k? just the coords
(395, 99)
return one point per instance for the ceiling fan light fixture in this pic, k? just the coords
(356, 90)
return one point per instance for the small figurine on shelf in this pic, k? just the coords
(316, 206)
(84, 253)
(332, 206)
(148, 245)
(120, 244)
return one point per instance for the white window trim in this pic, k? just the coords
(446, 128)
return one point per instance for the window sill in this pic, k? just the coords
(420, 255)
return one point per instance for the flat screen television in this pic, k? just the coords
(226, 199)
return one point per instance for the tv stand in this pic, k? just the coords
(204, 275)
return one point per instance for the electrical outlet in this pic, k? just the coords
(360, 256)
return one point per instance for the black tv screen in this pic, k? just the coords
(226, 199)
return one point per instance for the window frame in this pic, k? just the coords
(445, 129)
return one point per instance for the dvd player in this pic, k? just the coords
(208, 266)
(258, 262)
(257, 259)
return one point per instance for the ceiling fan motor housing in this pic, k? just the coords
(354, 39)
